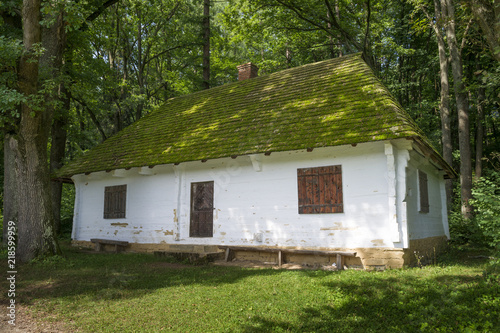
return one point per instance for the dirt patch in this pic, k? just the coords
(26, 323)
(262, 265)
(167, 265)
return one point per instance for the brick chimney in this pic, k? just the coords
(247, 71)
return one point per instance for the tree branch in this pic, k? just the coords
(464, 38)
(92, 116)
(368, 15)
(100, 10)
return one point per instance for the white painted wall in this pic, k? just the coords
(435, 222)
(251, 198)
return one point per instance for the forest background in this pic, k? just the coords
(73, 73)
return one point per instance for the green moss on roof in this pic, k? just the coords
(329, 103)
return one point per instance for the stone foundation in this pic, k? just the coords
(425, 250)
(366, 258)
(152, 247)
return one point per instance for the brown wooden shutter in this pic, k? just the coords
(320, 190)
(423, 191)
(202, 206)
(115, 201)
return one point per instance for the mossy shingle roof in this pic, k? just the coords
(329, 103)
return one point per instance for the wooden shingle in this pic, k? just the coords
(329, 103)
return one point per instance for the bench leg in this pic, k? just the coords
(227, 254)
(98, 247)
(280, 259)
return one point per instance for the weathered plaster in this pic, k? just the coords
(259, 205)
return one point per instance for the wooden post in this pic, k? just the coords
(339, 262)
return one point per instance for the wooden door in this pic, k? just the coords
(202, 209)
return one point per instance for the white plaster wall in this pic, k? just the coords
(149, 206)
(434, 223)
(247, 202)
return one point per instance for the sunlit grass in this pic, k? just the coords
(141, 293)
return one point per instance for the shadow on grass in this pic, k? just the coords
(451, 298)
(117, 276)
(376, 303)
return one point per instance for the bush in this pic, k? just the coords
(464, 231)
(492, 271)
(67, 206)
(486, 202)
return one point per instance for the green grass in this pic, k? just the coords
(141, 293)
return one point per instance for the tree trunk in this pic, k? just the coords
(51, 62)
(57, 151)
(444, 105)
(331, 49)
(337, 15)
(481, 97)
(35, 227)
(206, 44)
(487, 14)
(140, 68)
(10, 208)
(462, 110)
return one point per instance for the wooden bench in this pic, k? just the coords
(338, 254)
(119, 245)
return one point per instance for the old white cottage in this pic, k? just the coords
(319, 157)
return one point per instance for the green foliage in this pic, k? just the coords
(492, 272)
(464, 231)
(67, 209)
(349, 105)
(484, 228)
(1, 216)
(486, 203)
(10, 51)
(50, 262)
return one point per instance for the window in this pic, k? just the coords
(320, 190)
(115, 199)
(423, 192)
(202, 210)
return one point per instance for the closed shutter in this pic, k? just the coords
(115, 200)
(423, 191)
(320, 190)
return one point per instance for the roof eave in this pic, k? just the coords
(435, 157)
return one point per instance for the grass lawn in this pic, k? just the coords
(90, 292)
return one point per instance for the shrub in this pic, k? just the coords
(67, 206)
(486, 202)
(464, 231)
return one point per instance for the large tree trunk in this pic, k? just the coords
(51, 62)
(57, 152)
(35, 227)
(10, 209)
(444, 105)
(462, 109)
